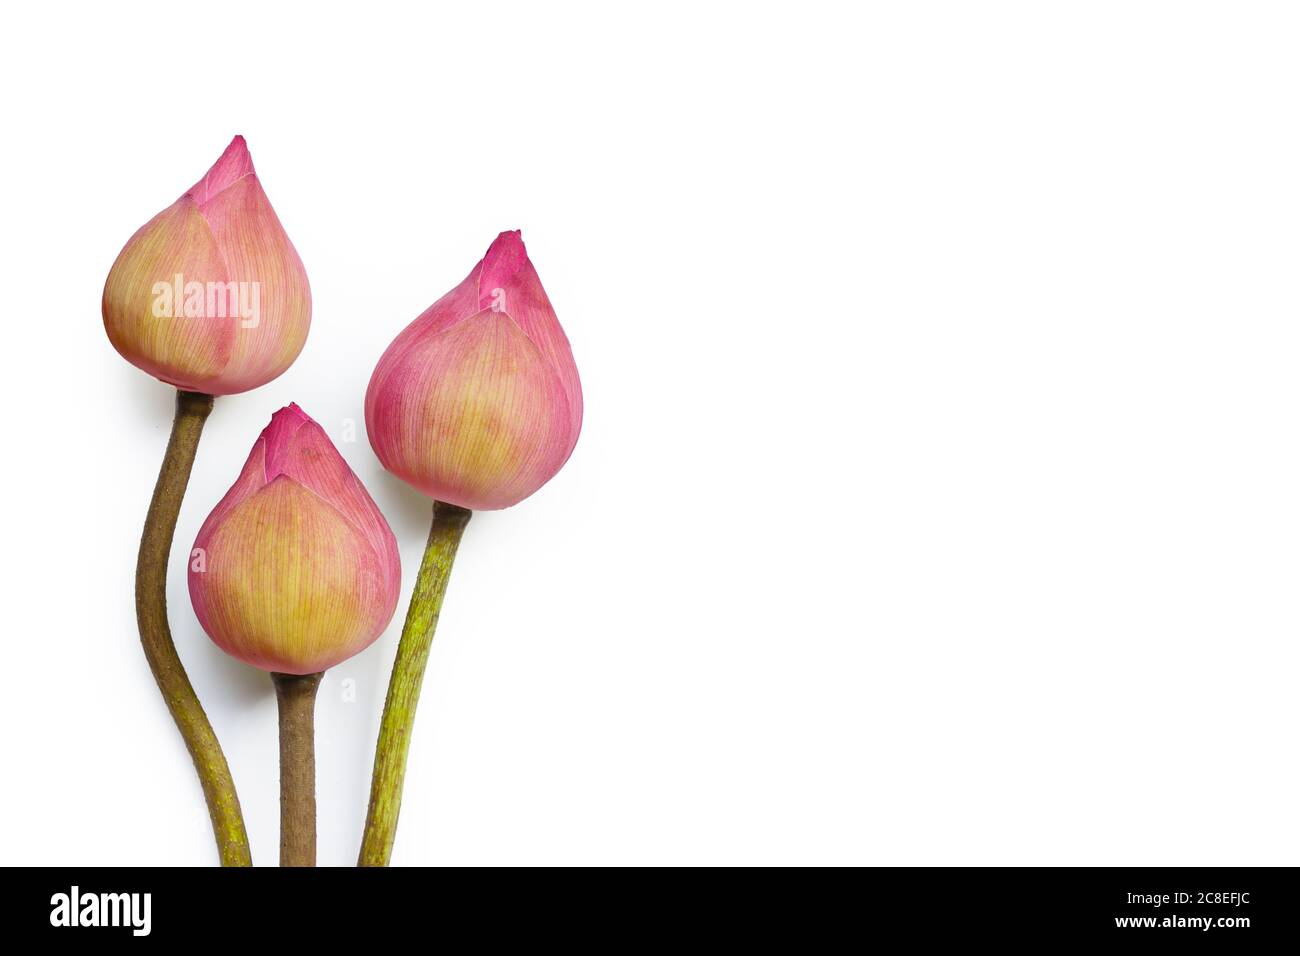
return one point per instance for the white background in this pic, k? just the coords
(938, 499)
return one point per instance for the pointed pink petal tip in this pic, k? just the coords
(294, 411)
(504, 258)
(277, 435)
(235, 163)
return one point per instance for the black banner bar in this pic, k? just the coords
(1230, 907)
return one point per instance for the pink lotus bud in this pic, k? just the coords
(295, 570)
(477, 402)
(210, 295)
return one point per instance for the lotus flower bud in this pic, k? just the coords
(210, 295)
(477, 402)
(295, 570)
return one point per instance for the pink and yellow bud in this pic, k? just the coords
(477, 402)
(210, 295)
(296, 569)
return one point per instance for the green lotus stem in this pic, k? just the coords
(449, 523)
(296, 697)
(192, 410)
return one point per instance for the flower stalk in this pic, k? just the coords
(192, 409)
(389, 774)
(296, 696)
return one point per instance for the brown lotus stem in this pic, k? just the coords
(296, 695)
(192, 410)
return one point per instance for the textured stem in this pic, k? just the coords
(296, 695)
(192, 410)
(404, 686)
